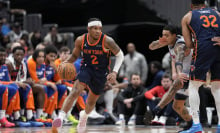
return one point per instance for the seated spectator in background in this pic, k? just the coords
(166, 62)
(157, 72)
(35, 38)
(40, 46)
(5, 41)
(153, 97)
(134, 62)
(53, 37)
(4, 11)
(5, 29)
(131, 101)
(17, 32)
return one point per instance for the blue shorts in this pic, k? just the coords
(205, 61)
(94, 78)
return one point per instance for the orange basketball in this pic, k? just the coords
(67, 71)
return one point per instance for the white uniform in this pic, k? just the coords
(186, 60)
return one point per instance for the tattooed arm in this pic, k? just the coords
(114, 48)
(179, 50)
(156, 45)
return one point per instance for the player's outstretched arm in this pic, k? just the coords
(162, 42)
(76, 51)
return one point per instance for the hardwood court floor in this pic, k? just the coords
(102, 129)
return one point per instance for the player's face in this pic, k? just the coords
(169, 36)
(95, 32)
(166, 82)
(135, 80)
(51, 57)
(18, 55)
(40, 58)
(2, 58)
(64, 55)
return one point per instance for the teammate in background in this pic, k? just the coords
(96, 48)
(203, 23)
(37, 70)
(18, 70)
(4, 75)
(181, 59)
(52, 75)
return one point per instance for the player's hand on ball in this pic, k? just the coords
(111, 78)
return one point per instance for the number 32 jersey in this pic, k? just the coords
(205, 24)
(95, 55)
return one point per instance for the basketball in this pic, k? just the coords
(67, 71)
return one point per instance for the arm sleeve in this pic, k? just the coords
(151, 93)
(32, 70)
(7, 75)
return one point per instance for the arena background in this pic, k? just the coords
(137, 21)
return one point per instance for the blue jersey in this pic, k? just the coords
(4, 73)
(95, 55)
(41, 71)
(205, 24)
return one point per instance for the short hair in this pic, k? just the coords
(18, 48)
(156, 64)
(2, 49)
(171, 28)
(134, 74)
(64, 49)
(93, 19)
(50, 49)
(166, 75)
(198, 2)
(36, 54)
(53, 26)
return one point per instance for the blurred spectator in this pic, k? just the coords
(5, 41)
(166, 62)
(134, 62)
(53, 37)
(5, 27)
(131, 101)
(40, 46)
(157, 72)
(35, 38)
(4, 11)
(17, 32)
(154, 96)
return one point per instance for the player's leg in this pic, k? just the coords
(67, 105)
(3, 106)
(194, 102)
(28, 101)
(52, 98)
(39, 91)
(62, 94)
(179, 107)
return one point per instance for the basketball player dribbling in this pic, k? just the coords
(203, 23)
(96, 48)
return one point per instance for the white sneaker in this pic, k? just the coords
(162, 120)
(81, 127)
(132, 122)
(57, 122)
(120, 122)
(156, 119)
(95, 115)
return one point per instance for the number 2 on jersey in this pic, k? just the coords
(209, 21)
(94, 59)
